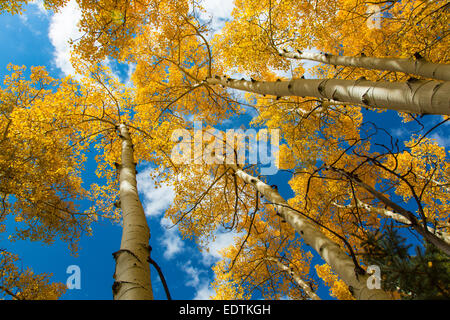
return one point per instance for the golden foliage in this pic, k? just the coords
(25, 284)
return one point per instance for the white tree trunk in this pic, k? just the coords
(132, 274)
(434, 238)
(419, 67)
(372, 209)
(420, 97)
(302, 284)
(331, 253)
(397, 217)
(436, 183)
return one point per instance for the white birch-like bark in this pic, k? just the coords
(420, 97)
(298, 280)
(414, 223)
(419, 67)
(132, 274)
(395, 216)
(384, 212)
(444, 186)
(330, 252)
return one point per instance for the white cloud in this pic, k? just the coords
(154, 200)
(204, 291)
(131, 67)
(218, 11)
(192, 273)
(199, 280)
(171, 239)
(114, 66)
(398, 132)
(443, 141)
(24, 19)
(198, 277)
(39, 4)
(211, 254)
(64, 27)
(35, 9)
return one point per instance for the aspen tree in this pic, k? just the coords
(60, 124)
(132, 275)
(333, 255)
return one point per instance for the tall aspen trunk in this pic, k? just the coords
(132, 274)
(330, 252)
(419, 67)
(420, 96)
(298, 280)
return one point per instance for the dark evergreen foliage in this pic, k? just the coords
(423, 275)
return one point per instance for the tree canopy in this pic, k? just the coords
(314, 72)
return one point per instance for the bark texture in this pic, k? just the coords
(419, 67)
(418, 96)
(437, 239)
(402, 219)
(331, 253)
(132, 275)
(302, 284)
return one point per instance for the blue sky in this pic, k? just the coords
(40, 38)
